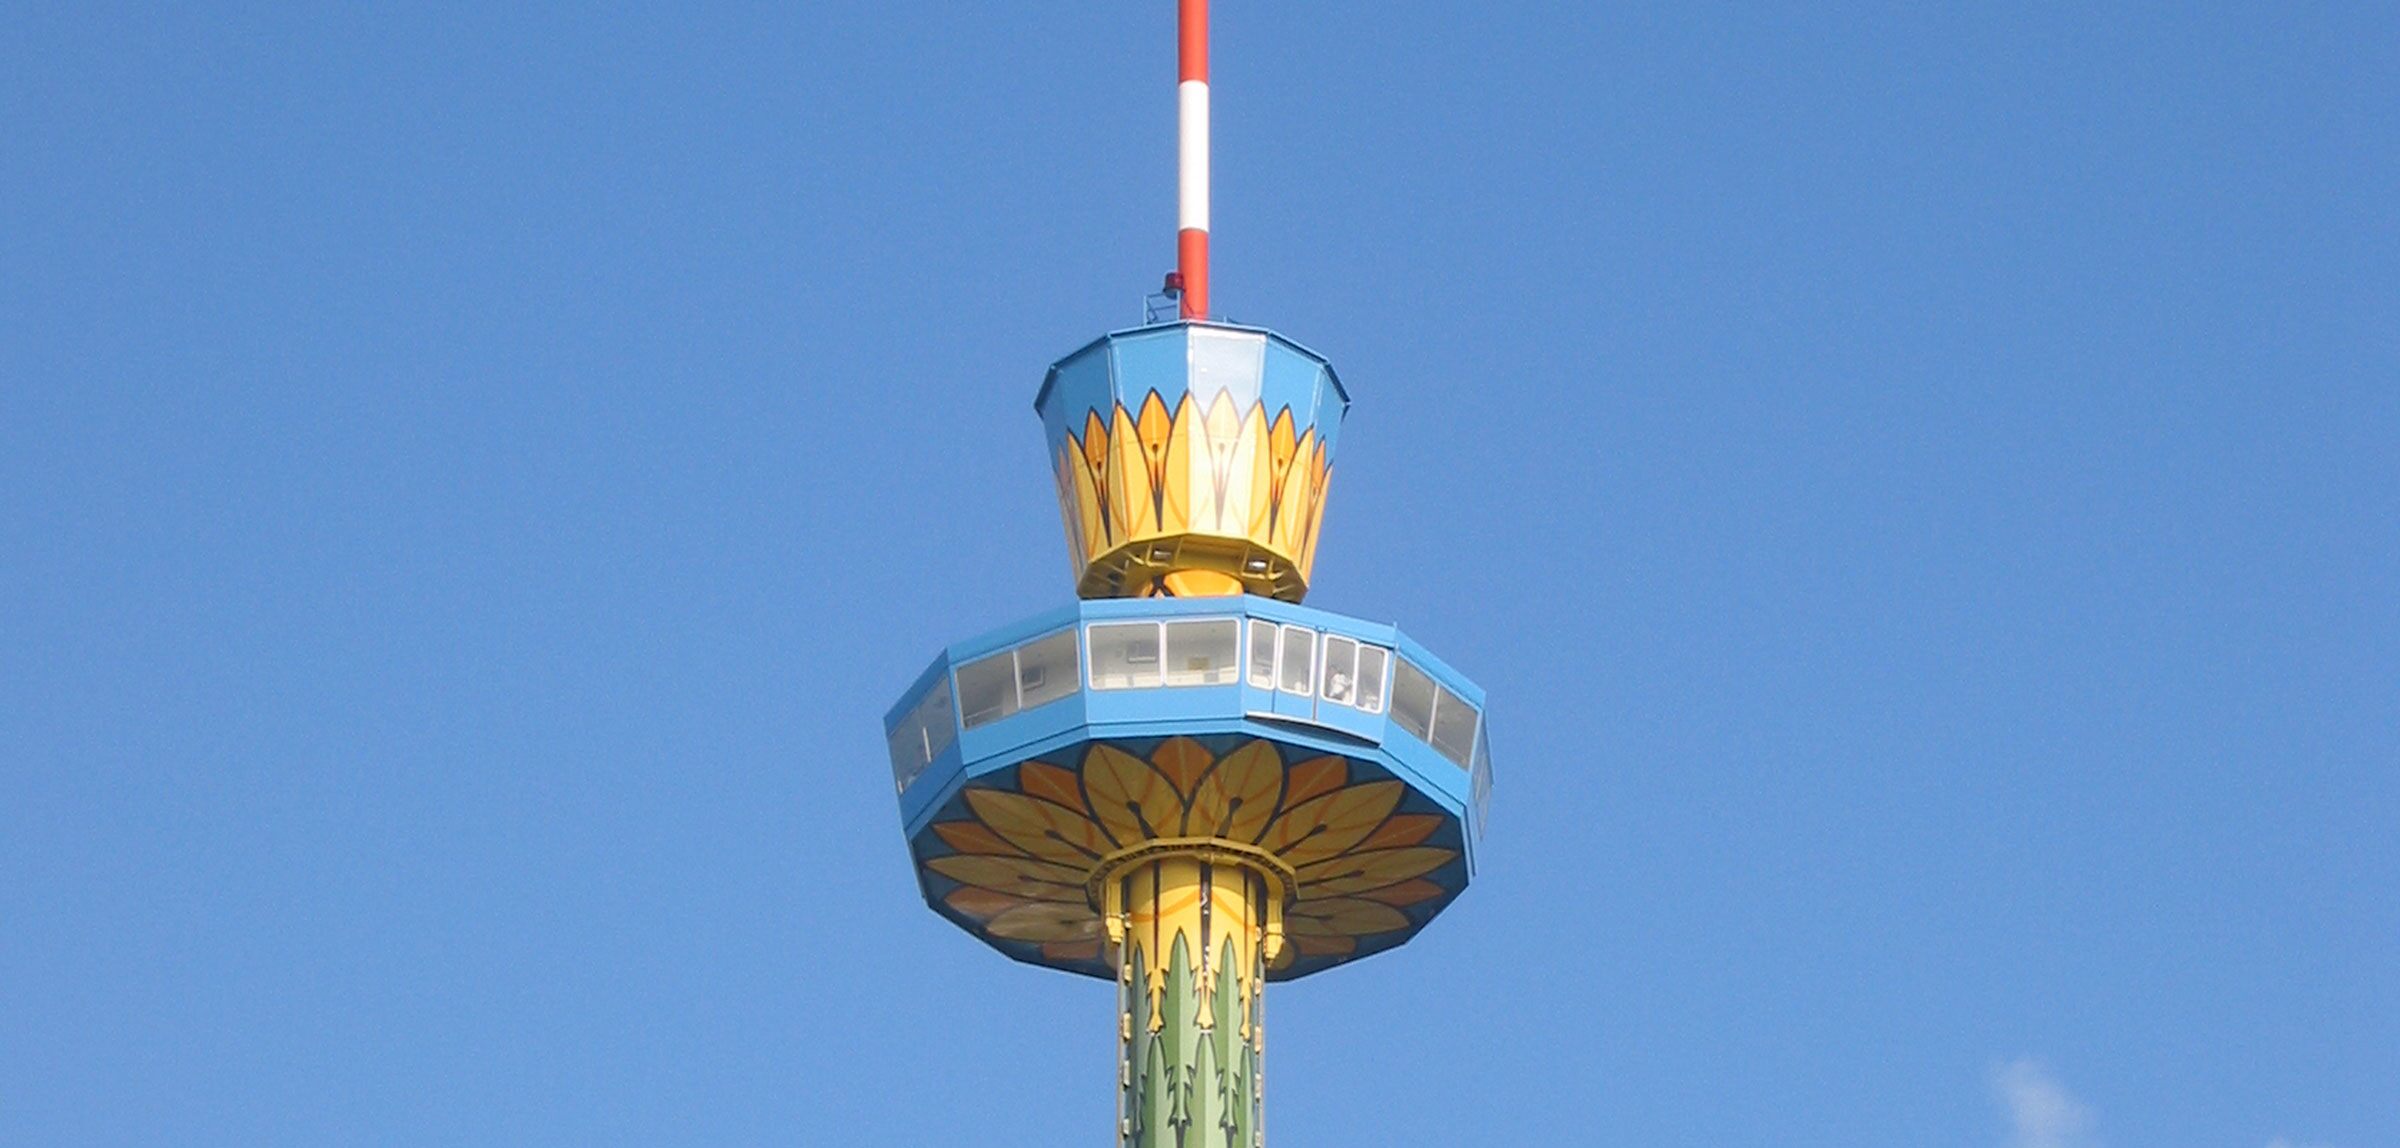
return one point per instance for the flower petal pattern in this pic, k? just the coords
(1021, 856)
(1223, 469)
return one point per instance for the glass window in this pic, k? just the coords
(1202, 653)
(1341, 670)
(908, 753)
(987, 689)
(1412, 700)
(1482, 774)
(1299, 661)
(921, 735)
(1262, 654)
(1124, 655)
(1454, 728)
(1371, 661)
(1227, 363)
(1046, 669)
(934, 715)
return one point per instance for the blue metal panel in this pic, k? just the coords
(1077, 386)
(1179, 703)
(1298, 381)
(1293, 706)
(1364, 726)
(1011, 734)
(915, 693)
(1153, 360)
(1440, 671)
(1076, 394)
(932, 787)
(993, 641)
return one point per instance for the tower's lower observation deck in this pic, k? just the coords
(1334, 763)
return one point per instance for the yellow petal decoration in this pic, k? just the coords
(1345, 917)
(1317, 775)
(1065, 952)
(1022, 858)
(1360, 872)
(1134, 801)
(1046, 922)
(981, 904)
(1021, 876)
(1406, 893)
(1057, 786)
(1237, 799)
(1402, 829)
(1182, 465)
(1199, 498)
(1181, 761)
(972, 837)
(1260, 472)
(1039, 828)
(1333, 823)
(1319, 946)
(1131, 508)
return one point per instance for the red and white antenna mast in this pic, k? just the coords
(1191, 245)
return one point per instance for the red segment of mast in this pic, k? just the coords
(1194, 41)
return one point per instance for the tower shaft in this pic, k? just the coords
(1198, 929)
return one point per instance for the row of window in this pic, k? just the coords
(1034, 674)
(1437, 717)
(1146, 655)
(1285, 658)
(1293, 660)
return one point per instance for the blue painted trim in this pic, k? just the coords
(932, 787)
(1042, 395)
(915, 693)
(1025, 727)
(1006, 637)
(1441, 672)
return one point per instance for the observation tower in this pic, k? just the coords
(1188, 783)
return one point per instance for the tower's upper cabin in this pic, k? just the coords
(1192, 460)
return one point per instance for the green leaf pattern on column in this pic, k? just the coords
(1190, 1078)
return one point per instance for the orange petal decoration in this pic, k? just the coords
(1237, 798)
(1016, 876)
(1406, 893)
(1071, 951)
(1313, 777)
(1325, 946)
(1129, 797)
(1050, 783)
(1402, 829)
(1361, 872)
(1046, 922)
(981, 904)
(1039, 828)
(1345, 916)
(1332, 824)
(1182, 761)
(973, 837)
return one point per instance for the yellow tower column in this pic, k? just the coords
(1193, 925)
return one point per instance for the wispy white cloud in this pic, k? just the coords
(2041, 1112)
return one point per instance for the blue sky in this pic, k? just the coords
(1918, 485)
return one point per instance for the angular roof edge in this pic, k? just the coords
(1051, 376)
